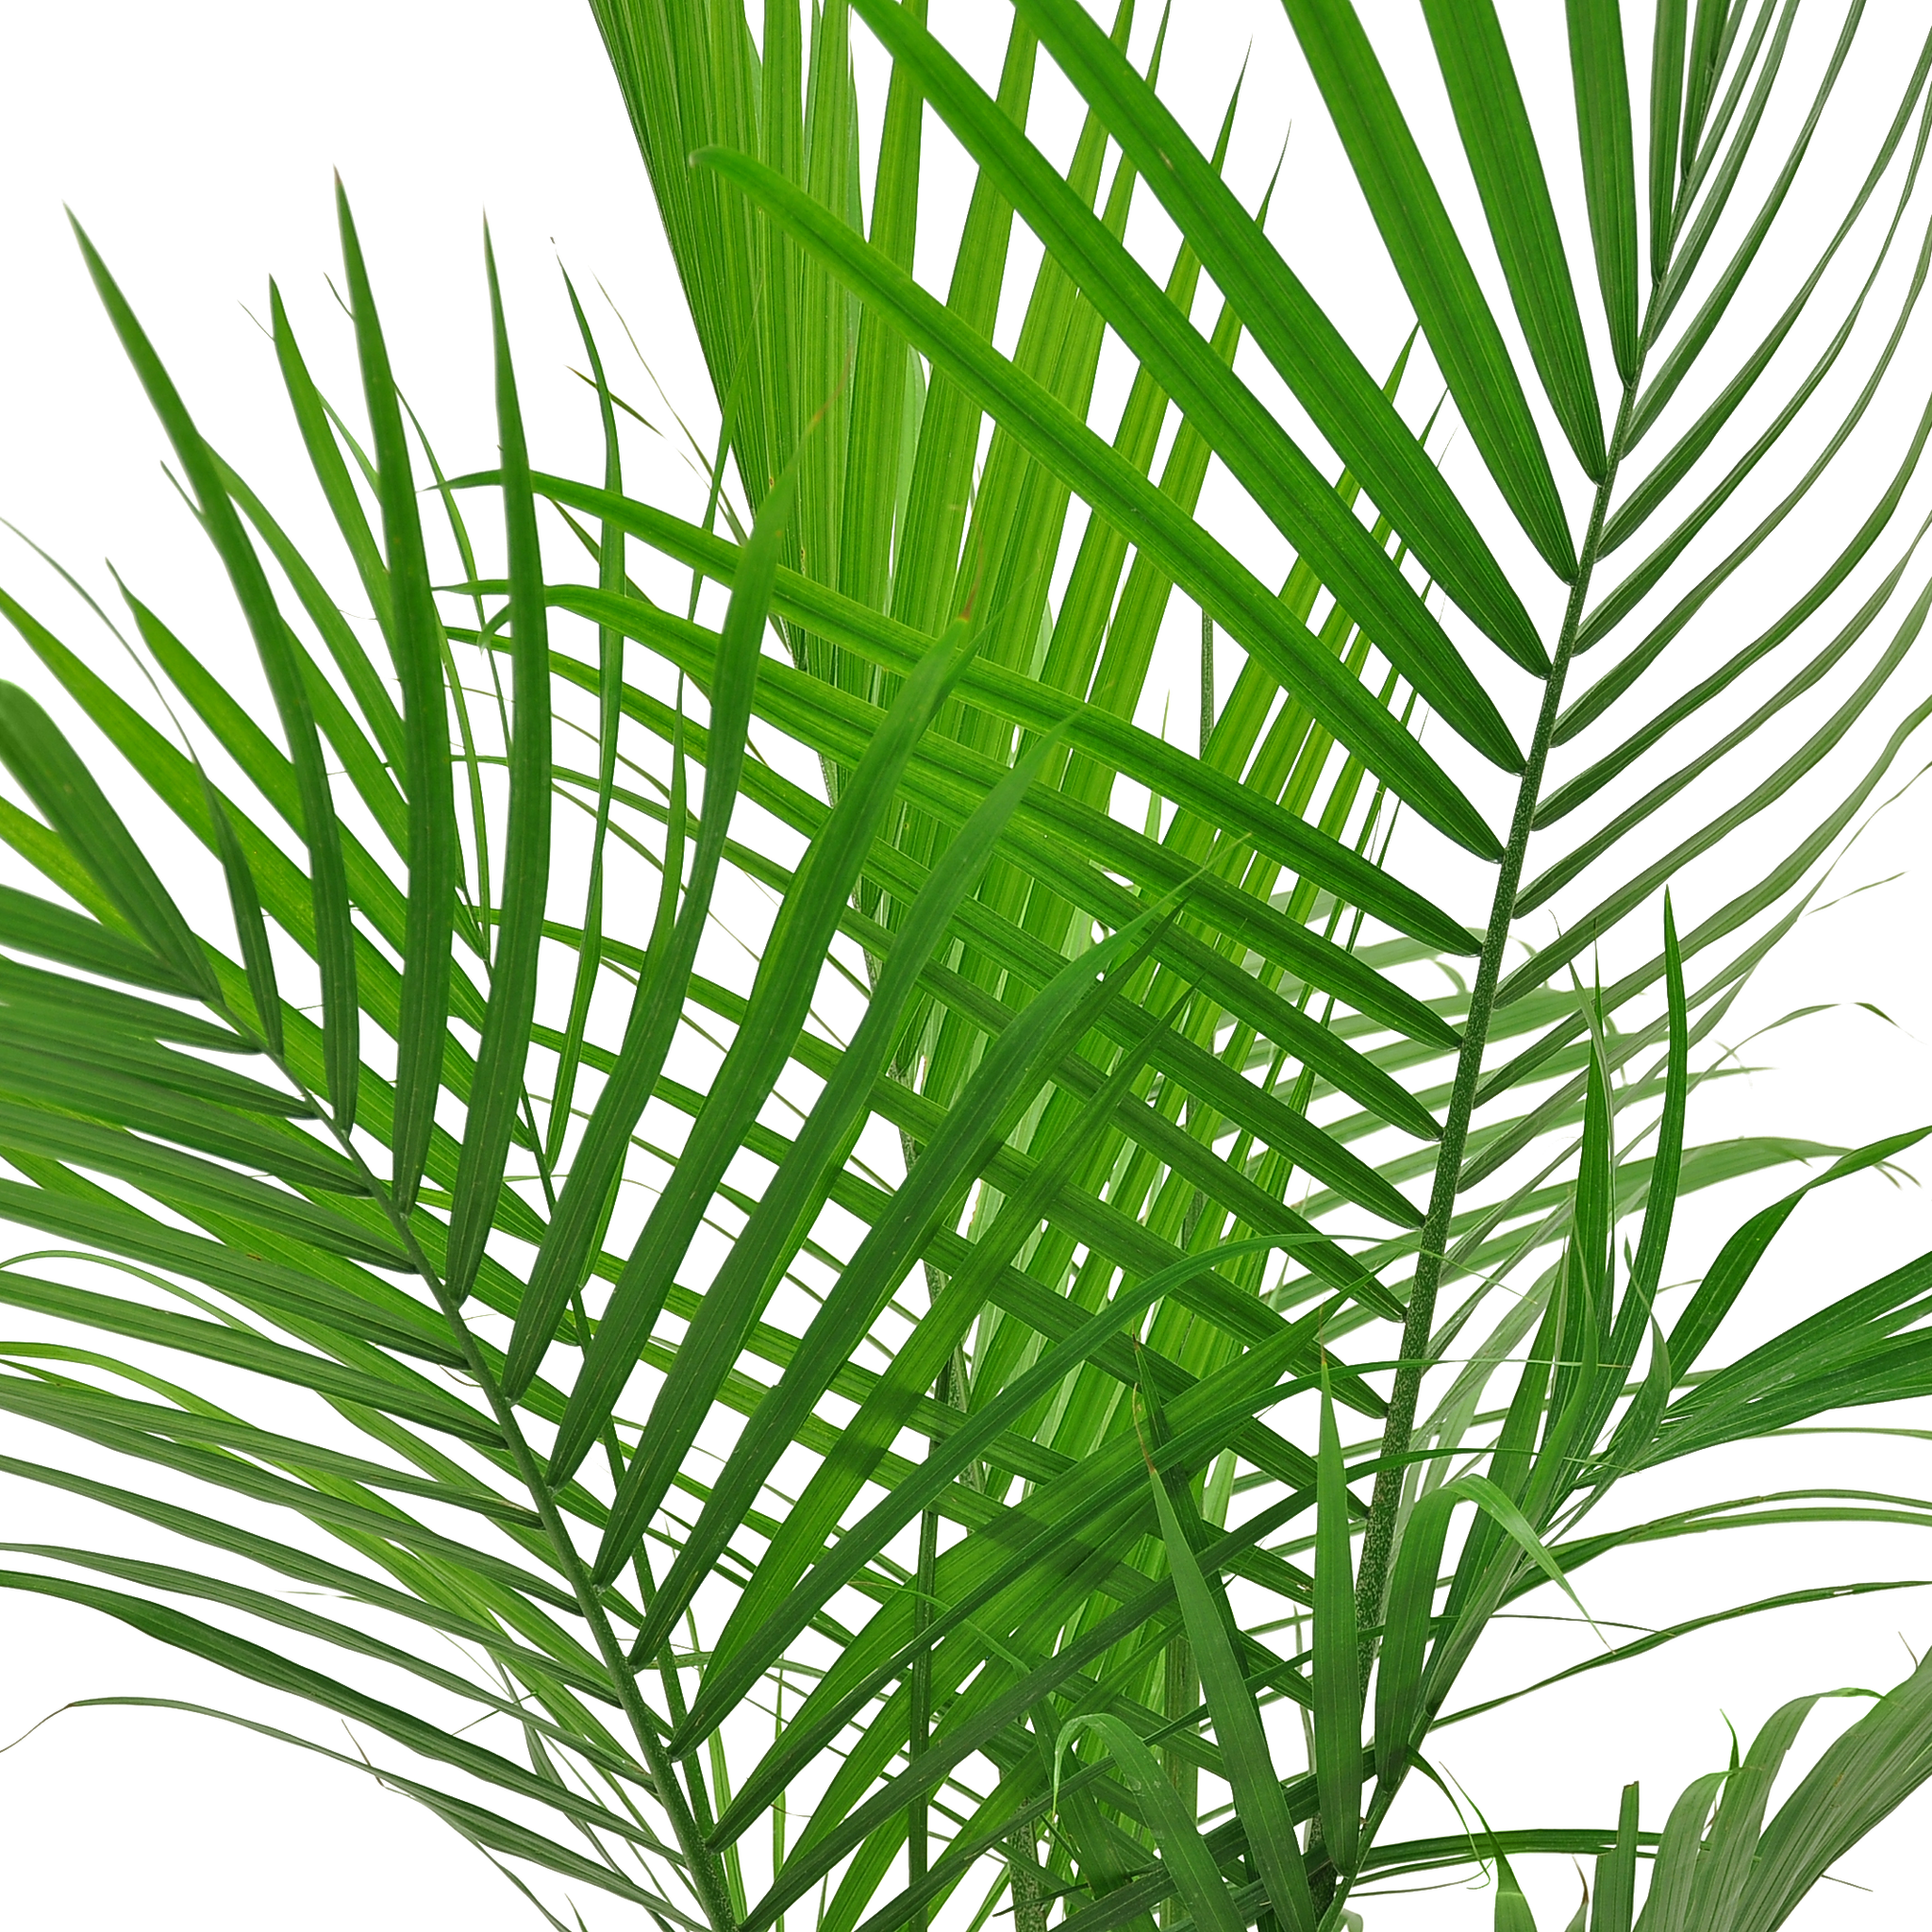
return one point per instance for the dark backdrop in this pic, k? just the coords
(195, 143)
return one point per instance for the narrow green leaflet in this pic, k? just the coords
(244, 903)
(1738, 1260)
(480, 1827)
(1337, 1669)
(1517, 1526)
(498, 1085)
(1861, 1777)
(1258, 1794)
(1496, 137)
(1616, 1872)
(1707, 42)
(1636, 1313)
(37, 925)
(1609, 169)
(610, 576)
(1408, 1693)
(399, 1390)
(416, 646)
(314, 1295)
(278, 1672)
(1666, 127)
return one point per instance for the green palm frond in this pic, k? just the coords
(854, 1432)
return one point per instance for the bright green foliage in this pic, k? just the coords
(852, 1439)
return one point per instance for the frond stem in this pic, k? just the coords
(1378, 1540)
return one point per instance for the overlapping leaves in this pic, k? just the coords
(970, 1461)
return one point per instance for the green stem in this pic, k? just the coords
(1419, 1318)
(918, 1846)
(919, 1680)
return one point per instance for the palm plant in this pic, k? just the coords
(845, 1431)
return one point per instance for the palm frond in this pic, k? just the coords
(881, 1405)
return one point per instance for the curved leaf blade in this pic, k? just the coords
(1610, 167)
(423, 1026)
(1337, 1668)
(497, 1089)
(1496, 137)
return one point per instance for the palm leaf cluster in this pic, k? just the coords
(1029, 1395)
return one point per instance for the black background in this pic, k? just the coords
(195, 145)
